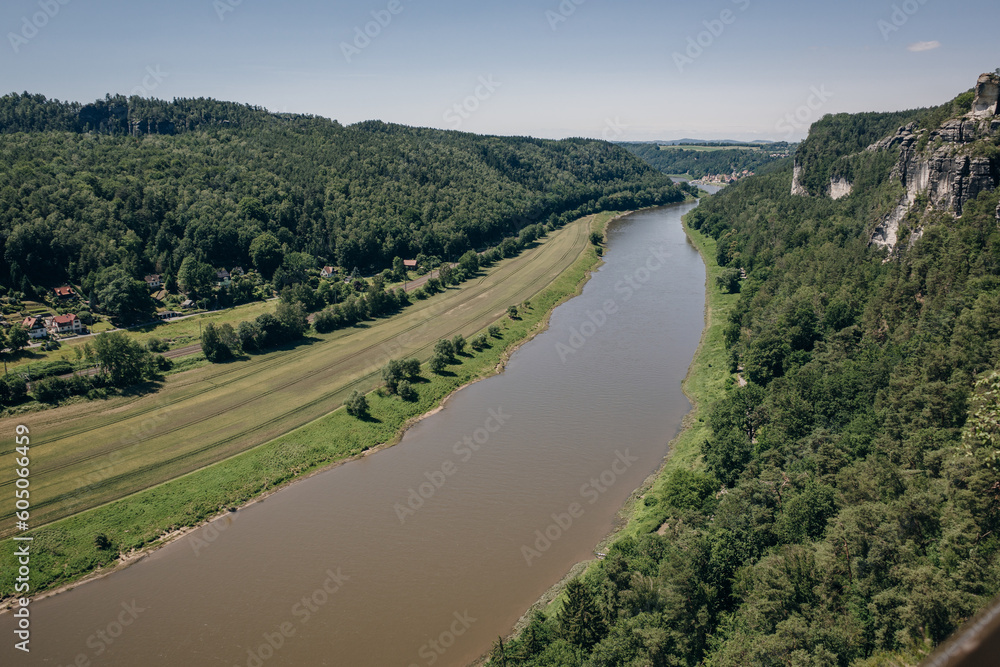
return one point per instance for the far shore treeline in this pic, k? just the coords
(123, 187)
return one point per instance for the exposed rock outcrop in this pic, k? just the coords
(797, 188)
(987, 101)
(945, 164)
(840, 187)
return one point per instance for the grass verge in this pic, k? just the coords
(66, 551)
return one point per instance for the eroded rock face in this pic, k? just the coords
(840, 187)
(987, 96)
(944, 167)
(797, 188)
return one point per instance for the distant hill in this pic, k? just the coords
(675, 142)
(699, 162)
(143, 184)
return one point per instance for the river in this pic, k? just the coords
(425, 552)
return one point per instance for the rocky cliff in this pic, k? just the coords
(944, 168)
(944, 158)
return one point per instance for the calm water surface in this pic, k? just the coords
(424, 553)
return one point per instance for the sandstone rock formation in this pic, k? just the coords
(950, 165)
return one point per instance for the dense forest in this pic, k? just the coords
(143, 184)
(700, 163)
(846, 507)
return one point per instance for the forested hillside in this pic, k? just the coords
(846, 506)
(143, 184)
(699, 162)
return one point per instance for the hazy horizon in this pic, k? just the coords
(633, 71)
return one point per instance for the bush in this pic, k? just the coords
(438, 364)
(480, 342)
(411, 367)
(596, 238)
(356, 404)
(392, 374)
(512, 312)
(157, 345)
(327, 320)
(729, 281)
(406, 391)
(444, 348)
(494, 330)
(49, 390)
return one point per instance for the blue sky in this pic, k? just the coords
(633, 69)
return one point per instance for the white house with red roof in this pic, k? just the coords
(65, 324)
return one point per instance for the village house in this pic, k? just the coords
(326, 272)
(154, 281)
(64, 292)
(65, 324)
(223, 276)
(409, 264)
(35, 327)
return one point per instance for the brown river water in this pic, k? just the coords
(423, 553)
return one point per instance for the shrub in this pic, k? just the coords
(411, 367)
(356, 404)
(157, 345)
(494, 330)
(438, 364)
(480, 342)
(445, 349)
(406, 391)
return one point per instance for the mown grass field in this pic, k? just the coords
(222, 412)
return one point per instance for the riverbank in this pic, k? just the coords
(706, 381)
(65, 552)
